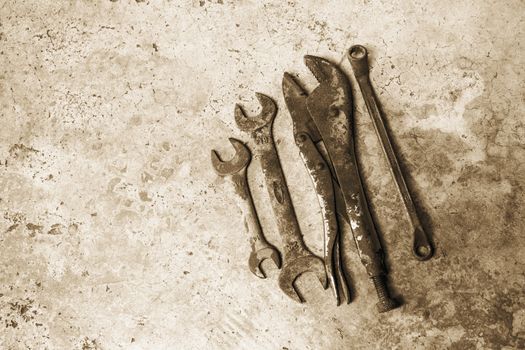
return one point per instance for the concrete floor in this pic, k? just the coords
(115, 233)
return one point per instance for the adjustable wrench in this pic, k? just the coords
(235, 169)
(297, 258)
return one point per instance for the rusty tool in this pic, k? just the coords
(297, 258)
(358, 57)
(306, 137)
(235, 169)
(330, 106)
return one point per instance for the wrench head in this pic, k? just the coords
(240, 160)
(257, 257)
(265, 117)
(295, 268)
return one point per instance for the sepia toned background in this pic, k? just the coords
(115, 233)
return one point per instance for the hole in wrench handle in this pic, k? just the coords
(358, 56)
(278, 192)
(422, 249)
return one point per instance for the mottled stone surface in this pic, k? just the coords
(115, 233)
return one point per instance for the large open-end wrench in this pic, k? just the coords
(235, 169)
(358, 57)
(297, 258)
(330, 107)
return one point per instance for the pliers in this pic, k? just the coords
(307, 139)
(325, 115)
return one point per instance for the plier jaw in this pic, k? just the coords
(330, 105)
(295, 98)
(329, 97)
(324, 71)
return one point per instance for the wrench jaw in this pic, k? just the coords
(265, 117)
(293, 90)
(239, 161)
(294, 269)
(257, 257)
(324, 71)
(333, 89)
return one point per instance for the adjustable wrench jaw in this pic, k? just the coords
(327, 73)
(330, 105)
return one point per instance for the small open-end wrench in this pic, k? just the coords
(358, 57)
(330, 107)
(235, 169)
(297, 258)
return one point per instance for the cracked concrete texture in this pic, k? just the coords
(116, 233)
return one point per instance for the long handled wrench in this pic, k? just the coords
(358, 57)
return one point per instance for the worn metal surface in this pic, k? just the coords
(306, 136)
(330, 107)
(236, 169)
(358, 57)
(297, 258)
(116, 233)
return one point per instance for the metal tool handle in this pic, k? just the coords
(340, 269)
(322, 180)
(358, 57)
(281, 202)
(251, 219)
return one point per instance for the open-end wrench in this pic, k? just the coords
(297, 258)
(330, 107)
(358, 57)
(235, 169)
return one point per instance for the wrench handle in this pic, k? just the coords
(358, 57)
(251, 220)
(281, 201)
